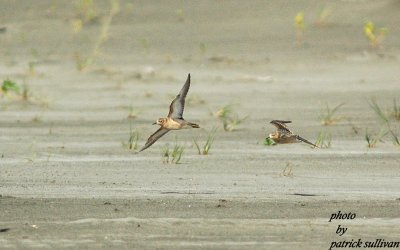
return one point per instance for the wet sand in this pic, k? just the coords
(67, 179)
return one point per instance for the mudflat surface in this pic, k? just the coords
(68, 179)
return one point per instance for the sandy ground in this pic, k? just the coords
(67, 179)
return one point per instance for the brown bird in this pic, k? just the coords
(284, 135)
(174, 120)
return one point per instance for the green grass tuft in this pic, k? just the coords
(10, 86)
(172, 156)
(207, 146)
(269, 142)
(230, 120)
(323, 140)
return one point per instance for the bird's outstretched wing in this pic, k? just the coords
(281, 126)
(304, 140)
(178, 104)
(154, 137)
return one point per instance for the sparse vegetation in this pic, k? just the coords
(373, 139)
(287, 171)
(31, 69)
(328, 115)
(84, 62)
(180, 15)
(172, 156)
(378, 111)
(207, 146)
(230, 120)
(269, 142)
(396, 111)
(395, 139)
(354, 128)
(375, 37)
(202, 48)
(323, 140)
(86, 11)
(132, 143)
(144, 43)
(10, 86)
(132, 112)
(133, 138)
(12, 90)
(300, 27)
(385, 118)
(323, 17)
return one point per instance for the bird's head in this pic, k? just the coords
(160, 121)
(274, 135)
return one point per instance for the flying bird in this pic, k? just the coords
(284, 135)
(174, 120)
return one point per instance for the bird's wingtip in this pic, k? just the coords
(280, 121)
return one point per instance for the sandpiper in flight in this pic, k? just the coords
(284, 135)
(174, 120)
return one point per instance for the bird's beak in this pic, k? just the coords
(155, 123)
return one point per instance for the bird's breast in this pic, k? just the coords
(172, 124)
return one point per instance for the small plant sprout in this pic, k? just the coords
(144, 43)
(172, 156)
(83, 62)
(323, 140)
(223, 112)
(378, 111)
(132, 112)
(203, 48)
(374, 37)
(76, 25)
(133, 138)
(86, 11)
(323, 17)
(180, 15)
(300, 27)
(230, 120)
(372, 140)
(207, 146)
(10, 86)
(396, 111)
(287, 171)
(328, 115)
(385, 118)
(395, 139)
(269, 142)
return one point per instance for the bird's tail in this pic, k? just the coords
(194, 125)
(304, 140)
